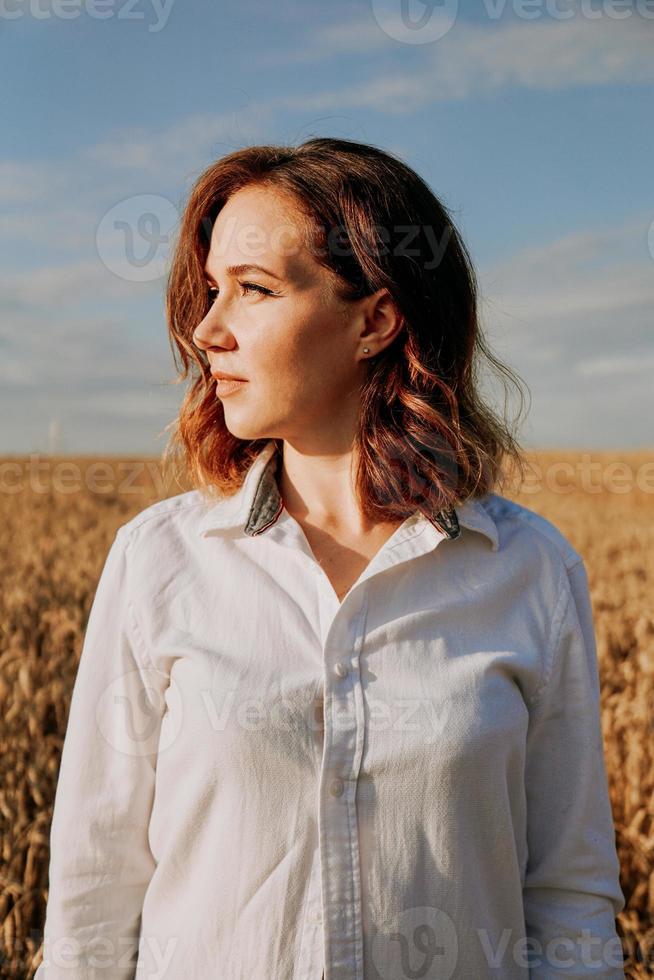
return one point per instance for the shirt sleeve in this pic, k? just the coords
(572, 891)
(100, 859)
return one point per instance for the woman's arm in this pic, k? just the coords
(100, 860)
(572, 891)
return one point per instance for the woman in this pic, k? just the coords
(337, 710)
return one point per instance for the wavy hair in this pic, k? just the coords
(426, 439)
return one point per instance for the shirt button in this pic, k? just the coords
(341, 669)
(336, 787)
(316, 915)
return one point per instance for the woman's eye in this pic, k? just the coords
(212, 291)
(246, 286)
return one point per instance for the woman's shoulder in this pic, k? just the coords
(167, 519)
(521, 528)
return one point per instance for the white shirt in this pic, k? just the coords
(452, 820)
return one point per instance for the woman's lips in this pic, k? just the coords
(226, 386)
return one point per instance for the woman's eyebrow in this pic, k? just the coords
(239, 270)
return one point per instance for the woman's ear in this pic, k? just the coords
(383, 321)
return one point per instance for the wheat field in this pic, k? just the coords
(59, 515)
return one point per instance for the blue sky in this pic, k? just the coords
(530, 120)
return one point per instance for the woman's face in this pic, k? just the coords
(298, 347)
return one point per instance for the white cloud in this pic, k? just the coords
(574, 318)
(51, 286)
(82, 353)
(593, 292)
(603, 367)
(62, 227)
(166, 154)
(23, 181)
(605, 271)
(480, 59)
(107, 170)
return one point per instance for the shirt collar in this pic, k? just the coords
(257, 504)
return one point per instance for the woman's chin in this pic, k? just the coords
(242, 430)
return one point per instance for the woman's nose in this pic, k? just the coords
(210, 333)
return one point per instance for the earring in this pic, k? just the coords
(366, 350)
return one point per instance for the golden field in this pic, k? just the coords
(59, 516)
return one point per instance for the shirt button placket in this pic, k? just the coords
(343, 745)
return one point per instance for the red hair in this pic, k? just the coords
(426, 440)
